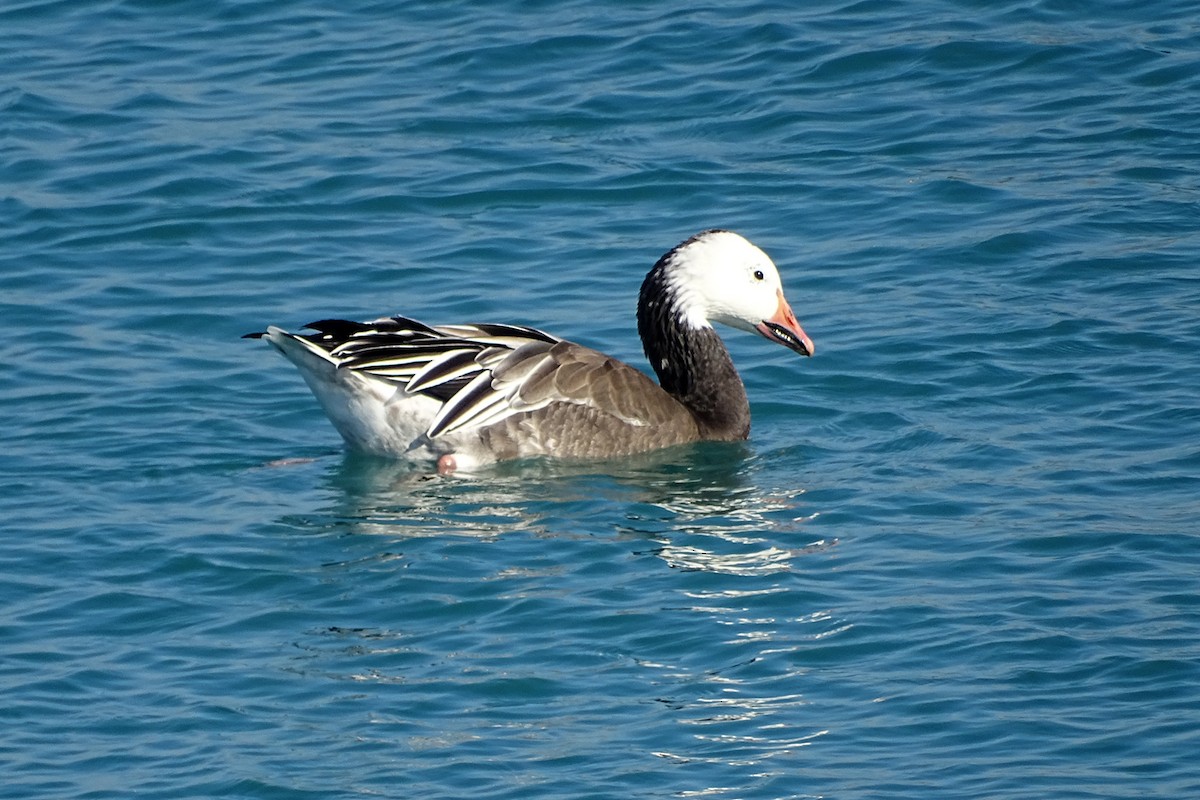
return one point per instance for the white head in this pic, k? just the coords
(719, 276)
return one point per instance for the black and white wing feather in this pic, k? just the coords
(482, 374)
(477, 371)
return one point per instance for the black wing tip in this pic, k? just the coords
(325, 324)
(512, 329)
(347, 327)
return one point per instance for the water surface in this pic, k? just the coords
(957, 557)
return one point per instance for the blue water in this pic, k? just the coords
(957, 558)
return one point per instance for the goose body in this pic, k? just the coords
(467, 395)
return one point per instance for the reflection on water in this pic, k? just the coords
(756, 562)
(673, 573)
(700, 505)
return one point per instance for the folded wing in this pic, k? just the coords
(486, 373)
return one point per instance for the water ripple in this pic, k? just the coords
(956, 556)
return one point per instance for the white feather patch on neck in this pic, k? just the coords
(688, 305)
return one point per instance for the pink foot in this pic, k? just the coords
(446, 464)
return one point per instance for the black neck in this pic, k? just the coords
(692, 364)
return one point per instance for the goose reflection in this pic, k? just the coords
(699, 507)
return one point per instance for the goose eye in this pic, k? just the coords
(758, 275)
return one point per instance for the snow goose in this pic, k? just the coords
(468, 395)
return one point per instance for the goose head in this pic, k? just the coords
(719, 276)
